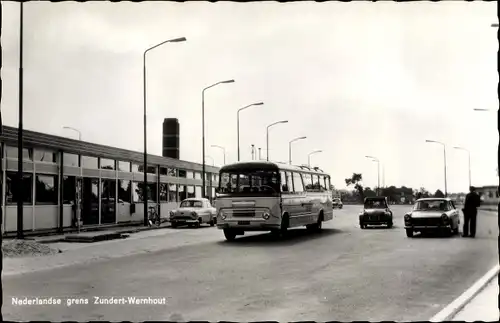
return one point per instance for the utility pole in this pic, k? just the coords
(260, 158)
(253, 152)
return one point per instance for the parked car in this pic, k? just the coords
(431, 214)
(337, 203)
(193, 212)
(376, 211)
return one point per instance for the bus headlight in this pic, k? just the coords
(222, 215)
(266, 216)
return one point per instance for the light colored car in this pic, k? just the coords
(337, 203)
(193, 212)
(432, 214)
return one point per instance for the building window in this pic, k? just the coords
(213, 192)
(197, 191)
(172, 193)
(124, 191)
(107, 164)
(182, 192)
(197, 175)
(136, 168)
(164, 171)
(71, 160)
(69, 189)
(46, 156)
(89, 162)
(11, 194)
(182, 173)
(189, 174)
(151, 169)
(124, 166)
(190, 191)
(11, 152)
(138, 195)
(172, 172)
(163, 192)
(45, 190)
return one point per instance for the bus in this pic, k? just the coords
(268, 196)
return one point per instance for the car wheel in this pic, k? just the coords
(229, 234)
(456, 231)
(389, 225)
(409, 233)
(362, 226)
(212, 223)
(173, 225)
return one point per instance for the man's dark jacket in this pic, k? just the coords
(472, 202)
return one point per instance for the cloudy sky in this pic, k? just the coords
(355, 78)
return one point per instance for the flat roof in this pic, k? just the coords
(33, 139)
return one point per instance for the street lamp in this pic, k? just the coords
(290, 148)
(494, 25)
(477, 109)
(223, 151)
(468, 152)
(20, 175)
(309, 156)
(144, 191)
(213, 163)
(444, 150)
(267, 135)
(375, 159)
(74, 129)
(238, 123)
(203, 128)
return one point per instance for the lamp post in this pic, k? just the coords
(76, 130)
(260, 158)
(238, 123)
(267, 135)
(309, 156)
(204, 193)
(290, 148)
(375, 159)
(468, 153)
(20, 175)
(223, 151)
(144, 191)
(444, 150)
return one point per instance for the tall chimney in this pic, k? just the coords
(170, 138)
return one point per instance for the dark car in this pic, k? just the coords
(337, 203)
(376, 211)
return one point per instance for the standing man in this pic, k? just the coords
(472, 202)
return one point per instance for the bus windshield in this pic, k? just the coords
(249, 183)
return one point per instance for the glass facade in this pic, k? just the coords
(101, 200)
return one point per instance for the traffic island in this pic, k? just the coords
(89, 237)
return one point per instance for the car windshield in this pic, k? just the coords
(375, 204)
(255, 182)
(191, 203)
(432, 205)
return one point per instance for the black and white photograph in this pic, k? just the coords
(253, 161)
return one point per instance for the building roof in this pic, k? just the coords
(35, 139)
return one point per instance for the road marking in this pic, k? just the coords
(459, 303)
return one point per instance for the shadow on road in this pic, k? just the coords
(293, 236)
(380, 227)
(436, 235)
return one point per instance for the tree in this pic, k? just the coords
(368, 192)
(355, 180)
(438, 193)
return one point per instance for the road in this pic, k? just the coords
(343, 273)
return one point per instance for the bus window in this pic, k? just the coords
(316, 184)
(289, 181)
(284, 187)
(297, 183)
(321, 183)
(308, 182)
(249, 181)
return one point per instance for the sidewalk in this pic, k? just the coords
(483, 307)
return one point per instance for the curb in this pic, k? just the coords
(460, 302)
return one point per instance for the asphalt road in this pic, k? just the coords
(343, 273)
